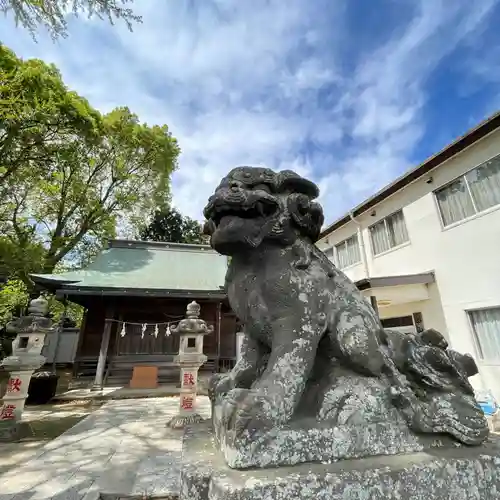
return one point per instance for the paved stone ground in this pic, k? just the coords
(14, 454)
(123, 447)
(52, 418)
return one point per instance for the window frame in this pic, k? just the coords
(384, 219)
(475, 337)
(394, 318)
(463, 176)
(329, 248)
(344, 242)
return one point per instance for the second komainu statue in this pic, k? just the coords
(319, 378)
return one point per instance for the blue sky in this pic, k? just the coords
(350, 93)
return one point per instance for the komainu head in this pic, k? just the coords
(254, 205)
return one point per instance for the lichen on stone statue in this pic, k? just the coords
(319, 379)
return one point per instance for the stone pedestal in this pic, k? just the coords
(438, 474)
(25, 359)
(190, 358)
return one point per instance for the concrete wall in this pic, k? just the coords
(66, 346)
(464, 256)
(432, 311)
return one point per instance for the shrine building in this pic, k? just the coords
(132, 293)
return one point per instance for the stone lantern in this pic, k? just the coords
(25, 359)
(190, 358)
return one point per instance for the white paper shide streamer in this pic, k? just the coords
(144, 327)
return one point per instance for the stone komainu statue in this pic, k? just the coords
(319, 379)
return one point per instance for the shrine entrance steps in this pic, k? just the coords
(118, 370)
(121, 368)
(124, 392)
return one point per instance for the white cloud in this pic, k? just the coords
(240, 82)
(388, 91)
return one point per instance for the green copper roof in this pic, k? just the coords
(129, 265)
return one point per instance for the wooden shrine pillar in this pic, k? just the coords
(217, 334)
(103, 351)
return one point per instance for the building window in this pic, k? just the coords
(476, 191)
(328, 252)
(486, 327)
(389, 233)
(348, 252)
(397, 322)
(415, 321)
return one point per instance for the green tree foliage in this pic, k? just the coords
(92, 187)
(19, 259)
(13, 298)
(52, 14)
(37, 112)
(70, 176)
(57, 310)
(168, 224)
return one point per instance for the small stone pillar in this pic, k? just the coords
(25, 359)
(190, 358)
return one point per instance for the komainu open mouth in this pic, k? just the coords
(259, 209)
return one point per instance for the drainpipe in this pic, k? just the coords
(361, 242)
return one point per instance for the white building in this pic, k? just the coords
(427, 247)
